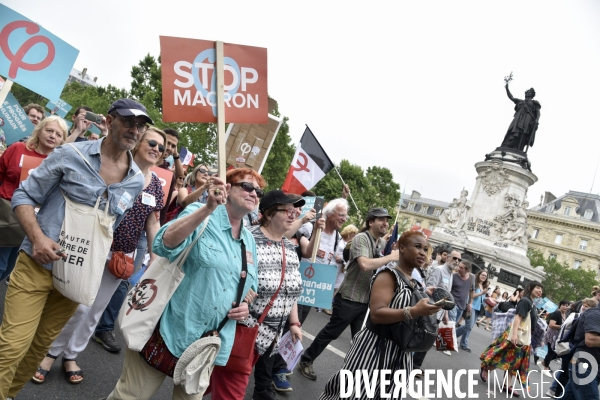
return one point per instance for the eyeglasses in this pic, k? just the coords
(457, 259)
(204, 171)
(152, 143)
(290, 213)
(129, 122)
(342, 215)
(248, 187)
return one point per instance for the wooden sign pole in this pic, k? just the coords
(220, 109)
(316, 245)
(5, 89)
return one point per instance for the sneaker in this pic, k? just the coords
(547, 372)
(264, 395)
(541, 365)
(468, 350)
(280, 382)
(107, 340)
(328, 312)
(288, 372)
(551, 393)
(306, 369)
(446, 352)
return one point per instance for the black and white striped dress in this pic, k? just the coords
(366, 350)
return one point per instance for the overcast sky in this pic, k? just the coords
(416, 87)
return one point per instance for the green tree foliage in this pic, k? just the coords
(562, 282)
(97, 98)
(146, 81)
(25, 96)
(375, 188)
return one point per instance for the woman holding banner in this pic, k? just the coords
(76, 334)
(48, 134)
(206, 298)
(279, 284)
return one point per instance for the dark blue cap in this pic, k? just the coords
(130, 108)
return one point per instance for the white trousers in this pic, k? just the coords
(77, 332)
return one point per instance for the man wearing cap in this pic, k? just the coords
(34, 312)
(352, 300)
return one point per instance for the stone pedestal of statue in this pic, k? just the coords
(493, 222)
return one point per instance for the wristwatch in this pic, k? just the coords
(175, 158)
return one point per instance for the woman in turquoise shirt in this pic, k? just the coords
(207, 294)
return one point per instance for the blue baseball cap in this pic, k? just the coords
(129, 108)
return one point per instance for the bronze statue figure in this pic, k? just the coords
(522, 129)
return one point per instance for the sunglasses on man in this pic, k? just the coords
(248, 187)
(457, 259)
(152, 143)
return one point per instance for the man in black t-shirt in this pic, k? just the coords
(586, 360)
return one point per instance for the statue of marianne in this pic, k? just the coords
(522, 129)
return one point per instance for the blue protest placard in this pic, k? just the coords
(318, 282)
(32, 56)
(94, 129)
(14, 123)
(59, 107)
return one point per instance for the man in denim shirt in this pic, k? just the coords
(34, 312)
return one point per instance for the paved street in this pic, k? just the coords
(102, 369)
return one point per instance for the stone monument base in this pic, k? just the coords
(492, 224)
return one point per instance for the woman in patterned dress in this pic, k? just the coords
(76, 334)
(389, 303)
(274, 252)
(507, 352)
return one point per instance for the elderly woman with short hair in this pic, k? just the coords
(207, 294)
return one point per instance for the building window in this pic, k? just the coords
(405, 220)
(552, 257)
(550, 208)
(583, 244)
(567, 210)
(588, 214)
(431, 227)
(418, 223)
(535, 233)
(558, 238)
(437, 212)
(424, 209)
(411, 206)
(577, 264)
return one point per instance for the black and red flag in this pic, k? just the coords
(309, 165)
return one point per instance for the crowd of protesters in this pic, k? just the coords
(245, 248)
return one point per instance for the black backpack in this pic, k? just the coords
(506, 305)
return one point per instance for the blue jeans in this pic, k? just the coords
(455, 314)
(107, 321)
(465, 330)
(8, 258)
(574, 391)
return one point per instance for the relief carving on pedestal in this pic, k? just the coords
(454, 216)
(513, 222)
(494, 178)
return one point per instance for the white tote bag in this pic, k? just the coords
(147, 300)
(86, 236)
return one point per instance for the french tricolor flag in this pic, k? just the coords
(309, 165)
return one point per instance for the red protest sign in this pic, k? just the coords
(189, 81)
(165, 176)
(29, 164)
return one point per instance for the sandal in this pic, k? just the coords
(43, 373)
(483, 375)
(487, 328)
(71, 374)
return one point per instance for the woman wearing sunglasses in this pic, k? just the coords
(76, 334)
(208, 292)
(197, 188)
(278, 279)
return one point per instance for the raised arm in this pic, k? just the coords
(510, 96)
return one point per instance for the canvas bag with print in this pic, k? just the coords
(86, 235)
